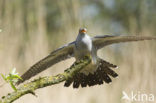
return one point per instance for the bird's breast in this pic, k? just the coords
(83, 47)
(84, 43)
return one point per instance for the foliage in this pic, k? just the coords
(11, 78)
(43, 81)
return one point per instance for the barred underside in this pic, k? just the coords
(100, 76)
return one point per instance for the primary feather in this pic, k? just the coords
(56, 56)
(101, 41)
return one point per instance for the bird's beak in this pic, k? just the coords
(83, 31)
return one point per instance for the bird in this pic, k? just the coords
(97, 72)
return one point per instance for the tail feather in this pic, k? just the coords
(100, 80)
(76, 84)
(83, 80)
(111, 72)
(92, 80)
(105, 63)
(68, 82)
(100, 76)
(77, 81)
(106, 78)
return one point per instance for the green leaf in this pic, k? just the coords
(17, 77)
(4, 77)
(8, 78)
(13, 86)
(12, 78)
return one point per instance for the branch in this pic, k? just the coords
(45, 81)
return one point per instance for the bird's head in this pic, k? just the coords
(82, 30)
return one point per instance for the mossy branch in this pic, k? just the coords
(45, 81)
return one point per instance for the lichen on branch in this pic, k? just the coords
(45, 81)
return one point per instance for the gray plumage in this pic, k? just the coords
(84, 45)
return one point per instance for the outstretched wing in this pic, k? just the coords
(101, 41)
(56, 56)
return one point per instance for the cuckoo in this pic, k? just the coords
(97, 72)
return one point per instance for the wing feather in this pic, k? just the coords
(101, 41)
(54, 57)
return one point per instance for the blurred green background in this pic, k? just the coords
(30, 29)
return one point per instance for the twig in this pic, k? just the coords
(45, 81)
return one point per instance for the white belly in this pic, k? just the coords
(84, 47)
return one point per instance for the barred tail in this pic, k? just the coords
(100, 76)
